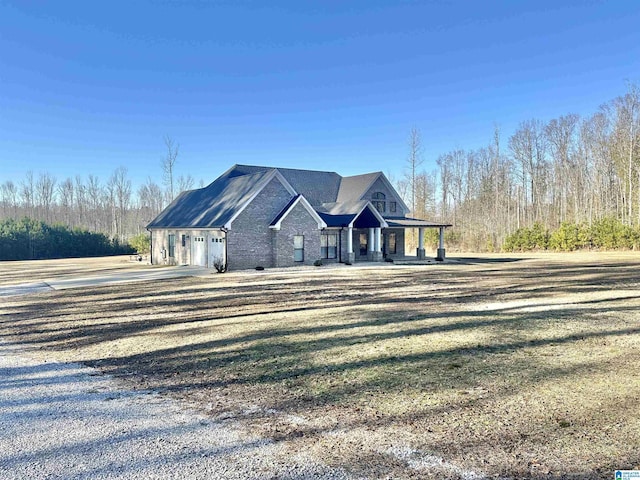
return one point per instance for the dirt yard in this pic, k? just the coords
(506, 366)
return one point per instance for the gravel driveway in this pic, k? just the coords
(66, 420)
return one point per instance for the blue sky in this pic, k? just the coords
(88, 86)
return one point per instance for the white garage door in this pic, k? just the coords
(216, 250)
(199, 251)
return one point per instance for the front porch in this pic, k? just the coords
(378, 243)
(366, 236)
(421, 225)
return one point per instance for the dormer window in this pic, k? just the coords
(378, 201)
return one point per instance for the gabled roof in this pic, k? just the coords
(354, 187)
(216, 205)
(316, 186)
(344, 214)
(298, 199)
(333, 200)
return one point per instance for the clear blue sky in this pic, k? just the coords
(88, 86)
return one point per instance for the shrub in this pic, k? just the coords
(221, 266)
(611, 233)
(141, 243)
(318, 263)
(569, 237)
(525, 239)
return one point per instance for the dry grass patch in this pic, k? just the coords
(524, 367)
(30, 271)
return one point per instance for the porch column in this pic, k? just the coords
(420, 252)
(440, 256)
(350, 255)
(371, 244)
(377, 244)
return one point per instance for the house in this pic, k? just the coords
(274, 217)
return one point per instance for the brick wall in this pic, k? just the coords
(298, 222)
(250, 240)
(391, 196)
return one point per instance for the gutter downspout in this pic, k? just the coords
(226, 251)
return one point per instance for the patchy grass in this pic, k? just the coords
(30, 271)
(521, 367)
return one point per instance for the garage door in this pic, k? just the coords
(199, 251)
(216, 250)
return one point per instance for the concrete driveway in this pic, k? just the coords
(63, 282)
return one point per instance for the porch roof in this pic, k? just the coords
(358, 214)
(414, 223)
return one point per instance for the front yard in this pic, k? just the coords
(519, 367)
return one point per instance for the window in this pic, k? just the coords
(184, 240)
(379, 201)
(393, 206)
(172, 245)
(363, 244)
(379, 205)
(298, 248)
(329, 246)
(391, 243)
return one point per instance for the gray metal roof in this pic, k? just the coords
(353, 188)
(212, 206)
(316, 186)
(338, 200)
(343, 208)
(340, 214)
(413, 223)
(284, 210)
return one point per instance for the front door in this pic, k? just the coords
(364, 241)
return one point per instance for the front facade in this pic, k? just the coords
(271, 217)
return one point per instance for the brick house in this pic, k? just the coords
(274, 217)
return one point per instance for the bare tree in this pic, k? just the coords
(149, 200)
(81, 201)
(626, 144)
(45, 190)
(28, 194)
(185, 183)
(10, 199)
(414, 160)
(445, 186)
(66, 193)
(168, 166)
(119, 187)
(561, 134)
(528, 147)
(95, 196)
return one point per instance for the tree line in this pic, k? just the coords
(109, 207)
(28, 239)
(570, 171)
